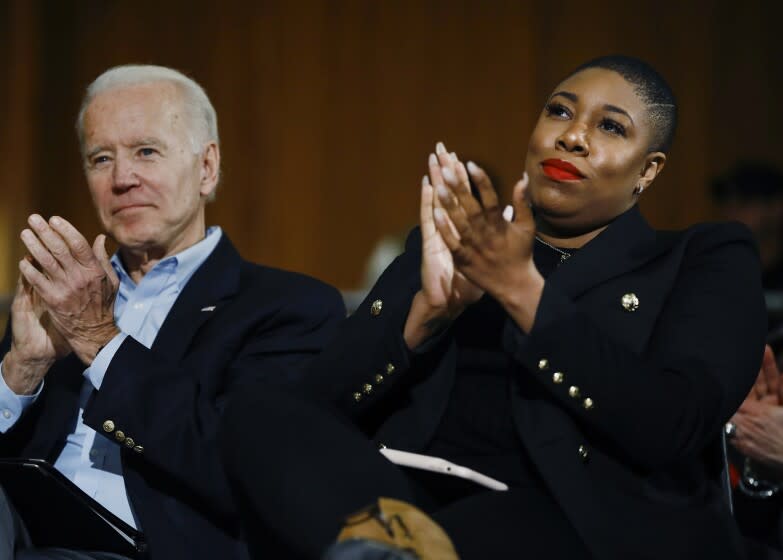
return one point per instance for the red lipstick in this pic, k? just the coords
(560, 170)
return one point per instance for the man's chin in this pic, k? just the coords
(135, 241)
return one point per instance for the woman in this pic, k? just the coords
(573, 353)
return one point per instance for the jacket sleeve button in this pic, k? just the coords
(588, 403)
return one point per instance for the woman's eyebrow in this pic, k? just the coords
(567, 94)
(612, 108)
(616, 109)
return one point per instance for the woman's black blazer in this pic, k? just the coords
(644, 344)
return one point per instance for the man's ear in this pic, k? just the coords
(653, 165)
(210, 169)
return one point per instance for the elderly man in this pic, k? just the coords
(117, 370)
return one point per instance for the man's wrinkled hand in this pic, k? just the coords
(75, 282)
(35, 342)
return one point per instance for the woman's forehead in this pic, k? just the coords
(600, 86)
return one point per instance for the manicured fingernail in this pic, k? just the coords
(524, 176)
(433, 160)
(472, 168)
(443, 192)
(440, 148)
(508, 213)
(448, 175)
(454, 157)
(425, 181)
(439, 214)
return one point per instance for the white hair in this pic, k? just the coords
(201, 114)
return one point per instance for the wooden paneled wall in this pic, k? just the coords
(328, 108)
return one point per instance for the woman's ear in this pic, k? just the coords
(653, 165)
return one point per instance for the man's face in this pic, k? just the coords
(148, 183)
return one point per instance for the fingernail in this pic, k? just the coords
(472, 168)
(433, 160)
(508, 213)
(425, 181)
(440, 148)
(55, 220)
(443, 192)
(524, 176)
(454, 157)
(35, 219)
(439, 214)
(448, 175)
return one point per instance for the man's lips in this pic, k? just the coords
(128, 207)
(560, 170)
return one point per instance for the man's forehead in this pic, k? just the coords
(154, 97)
(134, 112)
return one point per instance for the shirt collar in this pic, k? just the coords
(183, 264)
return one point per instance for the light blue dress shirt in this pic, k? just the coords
(93, 464)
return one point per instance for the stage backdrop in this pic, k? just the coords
(328, 109)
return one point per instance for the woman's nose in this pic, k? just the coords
(574, 139)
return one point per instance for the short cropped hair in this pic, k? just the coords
(201, 114)
(653, 90)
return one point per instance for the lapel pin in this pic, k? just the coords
(208, 308)
(630, 302)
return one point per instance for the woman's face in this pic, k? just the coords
(588, 152)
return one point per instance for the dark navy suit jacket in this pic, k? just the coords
(619, 406)
(233, 322)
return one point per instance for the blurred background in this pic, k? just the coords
(329, 108)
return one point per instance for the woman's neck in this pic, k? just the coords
(565, 240)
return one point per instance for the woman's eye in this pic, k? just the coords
(613, 127)
(557, 110)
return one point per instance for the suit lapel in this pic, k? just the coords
(215, 281)
(626, 244)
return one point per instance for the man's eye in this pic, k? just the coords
(557, 110)
(97, 160)
(147, 152)
(613, 127)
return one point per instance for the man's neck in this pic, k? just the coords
(138, 263)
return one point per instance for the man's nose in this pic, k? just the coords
(124, 174)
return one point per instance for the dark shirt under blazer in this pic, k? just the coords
(619, 406)
(234, 321)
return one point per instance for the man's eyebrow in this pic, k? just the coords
(148, 141)
(94, 151)
(616, 109)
